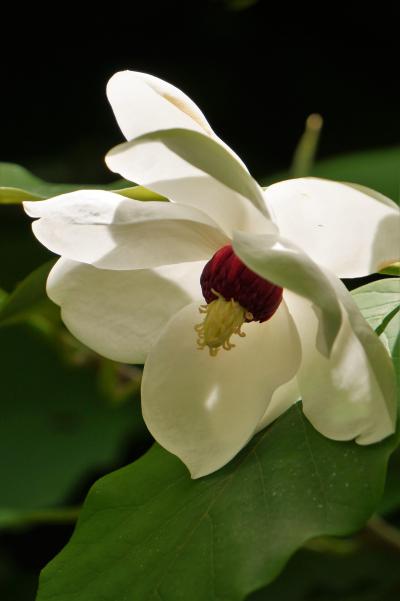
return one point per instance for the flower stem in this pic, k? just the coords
(384, 531)
(17, 518)
(304, 155)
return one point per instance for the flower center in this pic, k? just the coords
(234, 295)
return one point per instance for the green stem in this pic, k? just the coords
(304, 155)
(384, 531)
(16, 518)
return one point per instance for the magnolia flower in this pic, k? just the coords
(228, 293)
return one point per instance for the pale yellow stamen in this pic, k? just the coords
(223, 318)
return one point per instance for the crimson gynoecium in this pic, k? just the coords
(234, 295)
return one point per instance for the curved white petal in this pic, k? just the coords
(119, 314)
(282, 399)
(286, 265)
(351, 230)
(192, 169)
(112, 232)
(352, 393)
(143, 103)
(204, 409)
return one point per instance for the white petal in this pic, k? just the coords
(112, 232)
(143, 103)
(282, 399)
(120, 314)
(351, 230)
(192, 169)
(351, 394)
(204, 409)
(285, 265)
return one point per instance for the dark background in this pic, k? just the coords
(257, 73)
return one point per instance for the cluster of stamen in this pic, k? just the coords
(234, 295)
(222, 319)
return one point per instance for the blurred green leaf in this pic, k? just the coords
(391, 498)
(119, 381)
(18, 184)
(55, 426)
(365, 575)
(28, 297)
(3, 298)
(377, 169)
(20, 252)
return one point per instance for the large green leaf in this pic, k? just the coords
(149, 532)
(56, 426)
(18, 184)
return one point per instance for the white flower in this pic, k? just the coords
(128, 283)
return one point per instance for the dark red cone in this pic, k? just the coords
(226, 274)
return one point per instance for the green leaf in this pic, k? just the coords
(376, 169)
(3, 298)
(391, 497)
(14, 196)
(378, 299)
(56, 427)
(360, 574)
(28, 297)
(393, 269)
(149, 532)
(18, 184)
(140, 193)
(20, 252)
(379, 302)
